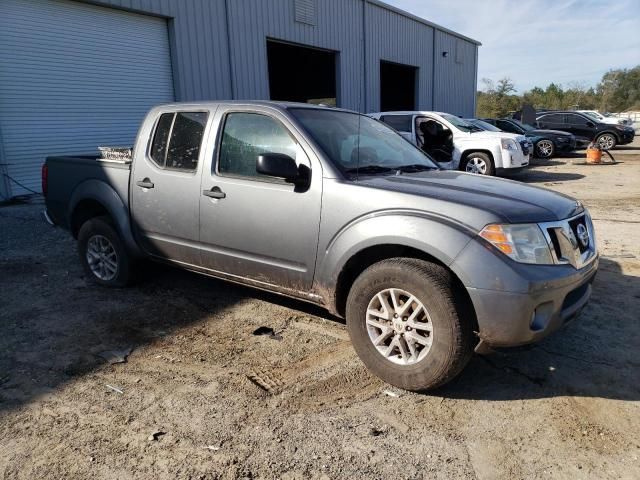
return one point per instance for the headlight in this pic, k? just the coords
(620, 127)
(509, 144)
(524, 243)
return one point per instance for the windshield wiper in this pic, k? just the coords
(416, 167)
(369, 169)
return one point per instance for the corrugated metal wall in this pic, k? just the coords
(398, 39)
(338, 26)
(206, 68)
(455, 75)
(218, 49)
(74, 76)
(199, 44)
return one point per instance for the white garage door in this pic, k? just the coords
(74, 76)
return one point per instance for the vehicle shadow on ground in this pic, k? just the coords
(540, 176)
(61, 334)
(593, 356)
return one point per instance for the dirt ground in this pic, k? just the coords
(224, 403)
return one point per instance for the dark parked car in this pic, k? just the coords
(586, 129)
(546, 143)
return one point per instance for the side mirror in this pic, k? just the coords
(590, 124)
(277, 165)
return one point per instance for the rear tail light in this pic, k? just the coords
(45, 179)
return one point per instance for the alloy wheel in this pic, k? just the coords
(399, 326)
(607, 142)
(102, 257)
(545, 148)
(476, 165)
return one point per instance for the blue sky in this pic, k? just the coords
(536, 42)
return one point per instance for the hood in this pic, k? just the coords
(508, 200)
(548, 132)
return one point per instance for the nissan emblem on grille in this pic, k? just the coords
(583, 235)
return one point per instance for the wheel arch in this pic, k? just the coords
(373, 238)
(94, 198)
(366, 257)
(609, 132)
(466, 153)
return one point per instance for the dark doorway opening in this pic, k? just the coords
(301, 74)
(397, 87)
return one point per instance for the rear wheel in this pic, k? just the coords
(408, 324)
(606, 141)
(545, 149)
(480, 163)
(102, 253)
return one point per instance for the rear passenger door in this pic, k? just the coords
(165, 187)
(580, 126)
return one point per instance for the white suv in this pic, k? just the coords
(457, 144)
(606, 118)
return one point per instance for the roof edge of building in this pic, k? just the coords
(435, 26)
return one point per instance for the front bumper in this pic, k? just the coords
(512, 160)
(508, 319)
(517, 303)
(627, 137)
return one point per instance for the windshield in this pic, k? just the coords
(460, 124)
(359, 144)
(524, 126)
(484, 125)
(593, 115)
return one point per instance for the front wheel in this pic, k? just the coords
(545, 149)
(408, 323)
(480, 163)
(103, 254)
(606, 141)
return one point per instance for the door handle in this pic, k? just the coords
(215, 192)
(146, 183)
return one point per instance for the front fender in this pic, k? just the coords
(438, 237)
(108, 197)
(492, 148)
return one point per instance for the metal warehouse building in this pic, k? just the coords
(75, 75)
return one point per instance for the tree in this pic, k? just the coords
(618, 91)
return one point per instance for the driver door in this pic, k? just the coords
(259, 228)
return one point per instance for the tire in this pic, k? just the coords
(545, 149)
(479, 163)
(111, 265)
(451, 320)
(607, 141)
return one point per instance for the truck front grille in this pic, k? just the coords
(572, 241)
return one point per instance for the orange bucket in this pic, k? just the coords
(594, 155)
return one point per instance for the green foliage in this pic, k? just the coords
(618, 91)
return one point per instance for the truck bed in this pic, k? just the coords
(68, 173)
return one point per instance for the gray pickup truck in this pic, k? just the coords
(336, 208)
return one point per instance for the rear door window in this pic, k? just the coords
(178, 139)
(400, 123)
